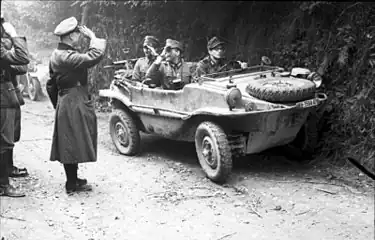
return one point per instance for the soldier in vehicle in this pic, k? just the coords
(169, 70)
(216, 60)
(18, 55)
(143, 64)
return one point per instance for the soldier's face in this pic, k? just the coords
(217, 52)
(172, 54)
(147, 51)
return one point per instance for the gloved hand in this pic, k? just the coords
(243, 64)
(163, 53)
(153, 51)
(159, 57)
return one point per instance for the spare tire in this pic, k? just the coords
(281, 89)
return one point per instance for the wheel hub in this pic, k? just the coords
(31, 87)
(122, 134)
(208, 152)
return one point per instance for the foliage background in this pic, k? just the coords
(337, 39)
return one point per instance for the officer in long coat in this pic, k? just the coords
(75, 131)
(143, 64)
(18, 55)
(216, 60)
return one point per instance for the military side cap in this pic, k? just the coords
(66, 26)
(151, 40)
(173, 44)
(214, 42)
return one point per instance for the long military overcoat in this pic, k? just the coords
(75, 129)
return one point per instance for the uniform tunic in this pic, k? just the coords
(164, 73)
(75, 130)
(208, 66)
(13, 73)
(141, 67)
(9, 103)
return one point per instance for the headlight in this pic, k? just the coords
(316, 78)
(233, 96)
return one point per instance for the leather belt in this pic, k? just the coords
(64, 91)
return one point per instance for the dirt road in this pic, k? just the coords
(163, 194)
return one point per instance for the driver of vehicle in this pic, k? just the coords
(216, 60)
(169, 70)
(143, 64)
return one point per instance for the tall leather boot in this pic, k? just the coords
(70, 177)
(13, 170)
(80, 181)
(73, 183)
(4, 173)
(6, 189)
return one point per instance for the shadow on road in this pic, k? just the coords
(270, 161)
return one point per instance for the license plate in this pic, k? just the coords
(307, 103)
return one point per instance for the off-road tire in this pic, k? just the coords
(221, 149)
(123, 118)
(33, 95)
(279, 89)
(307, 138)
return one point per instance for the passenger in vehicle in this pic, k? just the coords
(143, 64)
(169, 70)
(216, 60)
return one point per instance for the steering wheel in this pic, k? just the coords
(266, 60)
(227, 64)
(149, 83)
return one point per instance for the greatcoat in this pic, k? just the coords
(75, 129)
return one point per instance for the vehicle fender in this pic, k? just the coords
(115, 95)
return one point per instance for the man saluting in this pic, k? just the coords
(75, 131)
(143, 64)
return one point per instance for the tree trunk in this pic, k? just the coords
(85, 13)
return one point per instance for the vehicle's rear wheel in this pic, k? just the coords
(33, 88)
(124, 132)
(307, 138)
(214, 152)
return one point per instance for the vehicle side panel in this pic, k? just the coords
(185, 101)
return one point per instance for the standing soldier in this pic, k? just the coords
(15, 70)
(9, 104)
(75, 131)
(169, 66)
(142, 64)
(216, 60)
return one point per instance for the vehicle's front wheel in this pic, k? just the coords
(124, 132)
(213, 151)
